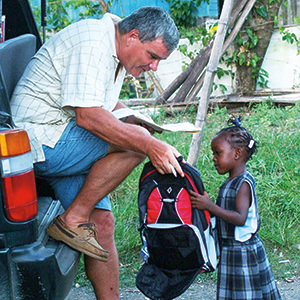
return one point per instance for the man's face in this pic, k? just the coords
(143, 57)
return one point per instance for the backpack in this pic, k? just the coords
(178, 241)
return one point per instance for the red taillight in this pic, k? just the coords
(20, 196)
(17, 176)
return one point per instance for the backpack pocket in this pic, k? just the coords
(176, 247)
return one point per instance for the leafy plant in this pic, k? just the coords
(57, 15)
(262, 79)
(199, 35)
(184, 12)
(290, 38)
(61, 13)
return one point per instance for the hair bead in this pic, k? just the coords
(251, 144)
(236, 121)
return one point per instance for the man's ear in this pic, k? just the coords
(133, 35)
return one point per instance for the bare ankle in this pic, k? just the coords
(72, 220)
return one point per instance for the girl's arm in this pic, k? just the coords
(236, 217)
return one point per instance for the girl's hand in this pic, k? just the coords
(200, 201)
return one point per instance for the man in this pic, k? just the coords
(64, 101)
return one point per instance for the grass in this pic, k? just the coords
(276, 168)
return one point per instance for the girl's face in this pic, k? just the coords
(224, 155)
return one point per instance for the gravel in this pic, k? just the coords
(289, 289)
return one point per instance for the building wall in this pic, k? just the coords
(125, 7)
(282, 62)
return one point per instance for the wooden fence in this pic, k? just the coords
(289, 14)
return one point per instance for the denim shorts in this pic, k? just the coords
(68, 163)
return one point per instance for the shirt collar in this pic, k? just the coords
(114, 19)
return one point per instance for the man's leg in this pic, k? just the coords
(114, 168)
(104, 276)
(74, 155)
(104, 176)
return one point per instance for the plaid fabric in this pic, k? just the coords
(74, 68)
(226, 199)
(245, 272)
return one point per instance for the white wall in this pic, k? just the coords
(282, 62)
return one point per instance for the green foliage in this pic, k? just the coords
(271, 2)
(61, 13)
(296, 20)
(262, 11)
(246, 55)
(253, 39)
(221, 72)
(127, 90)
(197, 35)
(183, 12)
(290, 38)
(285, 3)
(86, 8)
(57, 15)
(262, 79)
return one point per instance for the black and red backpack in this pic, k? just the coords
(178, 241)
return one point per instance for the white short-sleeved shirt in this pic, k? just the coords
(74, 68)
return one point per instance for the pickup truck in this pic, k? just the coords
(32, 265)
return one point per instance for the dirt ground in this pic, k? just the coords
(289, 289)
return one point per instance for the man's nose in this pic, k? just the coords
(154, 64)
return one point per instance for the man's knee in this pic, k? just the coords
(105, 223)
(129, 157)
(140, 157)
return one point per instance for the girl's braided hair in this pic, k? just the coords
(238, 136)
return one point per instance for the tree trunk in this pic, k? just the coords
(246, 76)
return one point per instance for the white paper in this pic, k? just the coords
(123, 113)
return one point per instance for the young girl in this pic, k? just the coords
(244, 270)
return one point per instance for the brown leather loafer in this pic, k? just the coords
(83, 238)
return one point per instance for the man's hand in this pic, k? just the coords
(164, 156)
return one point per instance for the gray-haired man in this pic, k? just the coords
(64, 101)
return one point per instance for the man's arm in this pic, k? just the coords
(128, 136)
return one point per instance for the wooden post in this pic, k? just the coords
(208, 80)
(155, 81)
